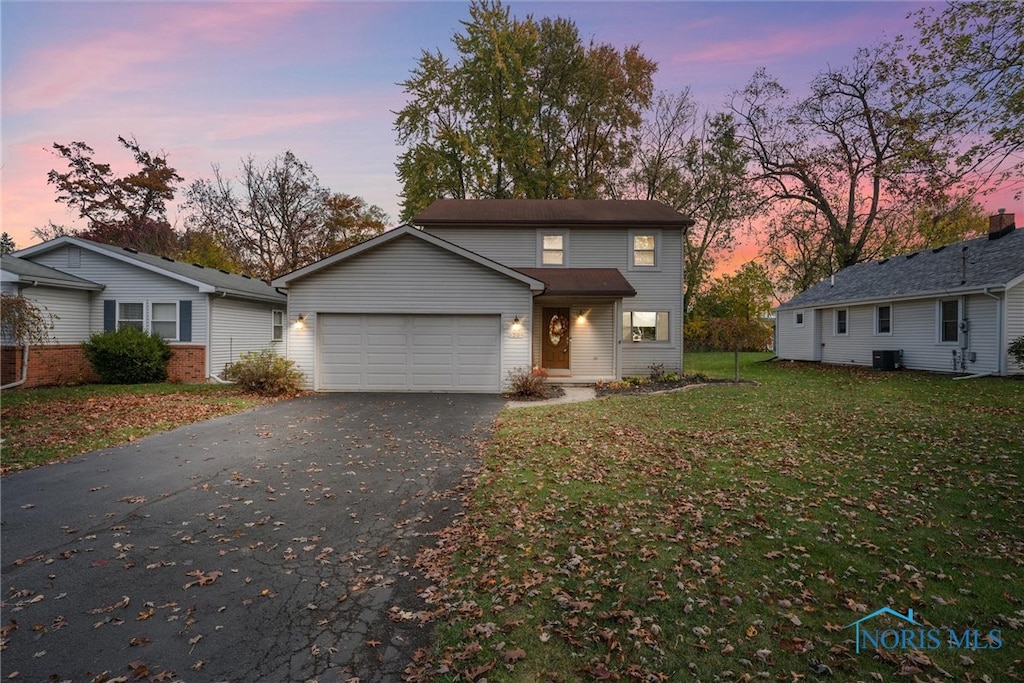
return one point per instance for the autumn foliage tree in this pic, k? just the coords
(277, 217)
(525, 110)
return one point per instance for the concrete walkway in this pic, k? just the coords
(572, 395)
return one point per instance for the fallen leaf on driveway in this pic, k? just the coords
(202, 579)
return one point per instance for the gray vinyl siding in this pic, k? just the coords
(1014, 324)
(126, 282)
(69, 309)
(658, 289)
(407, 275)
(515, 248)
(795, 343)
(914, 332)
(239, 326)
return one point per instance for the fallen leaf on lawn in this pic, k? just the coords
(512, 656)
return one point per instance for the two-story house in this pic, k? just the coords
(588, 290)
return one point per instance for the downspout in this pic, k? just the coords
(24, 356)
(209, 340)
(1000, 355)
(24, 370)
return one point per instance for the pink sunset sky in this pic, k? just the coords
(213, 82)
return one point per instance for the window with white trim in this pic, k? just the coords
(645, 326)
(842, 316)
(164, 320)
(552, 250)
(644, 253)
(277, 326)
(883, 319)
(949, 320)
(131, 314)
(798, 319)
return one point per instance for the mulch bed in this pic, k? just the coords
(622, 389)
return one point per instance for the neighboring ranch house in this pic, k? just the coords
(208, 316)
(587, 290)
(955, 308)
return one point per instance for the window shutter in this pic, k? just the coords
(185, 320)
(109, 315)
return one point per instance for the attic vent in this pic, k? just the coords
(247, 277)
(910, 256)
(197, 265)
(938, 249)
(130, 250)
(167, 258)
(226, 272)
(885, 260)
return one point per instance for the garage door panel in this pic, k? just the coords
(385, 352)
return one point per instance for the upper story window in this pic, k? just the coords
(277, 326)
(798, 319)
(949, 319)
(553, 250)
(643, 250)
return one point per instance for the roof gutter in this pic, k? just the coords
(983, 289)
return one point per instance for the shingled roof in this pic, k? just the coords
(212, 279)
(581, 281)
(36, 274)
(496, 213)
(974, 265)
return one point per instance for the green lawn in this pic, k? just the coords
(42, 425)
(733, 532)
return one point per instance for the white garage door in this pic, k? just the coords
(378, 352)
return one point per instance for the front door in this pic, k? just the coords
(555, 343)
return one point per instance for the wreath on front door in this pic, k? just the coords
(556, 328)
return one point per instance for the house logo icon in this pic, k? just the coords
(912, 635)
(908, 617)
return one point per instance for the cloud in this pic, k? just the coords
(113, 60)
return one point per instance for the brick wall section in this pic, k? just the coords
(62, 364)
(188, 364)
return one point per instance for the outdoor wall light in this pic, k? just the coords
(581, 318)
(517, 324)
(300, 323)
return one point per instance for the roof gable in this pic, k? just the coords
(596, 213)
(208, 280)
(27, 271)
(401, 231)
(973, 265)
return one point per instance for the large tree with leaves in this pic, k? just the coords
(102, 198)
(525, 110)
(852, 159)
(277, 217)
(697, 165)
(968, 69)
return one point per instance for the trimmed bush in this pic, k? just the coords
(527, 383)
(265, 373)
(128, 356)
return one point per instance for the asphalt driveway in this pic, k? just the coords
(271, 545)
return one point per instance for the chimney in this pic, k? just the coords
(1000, 224)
